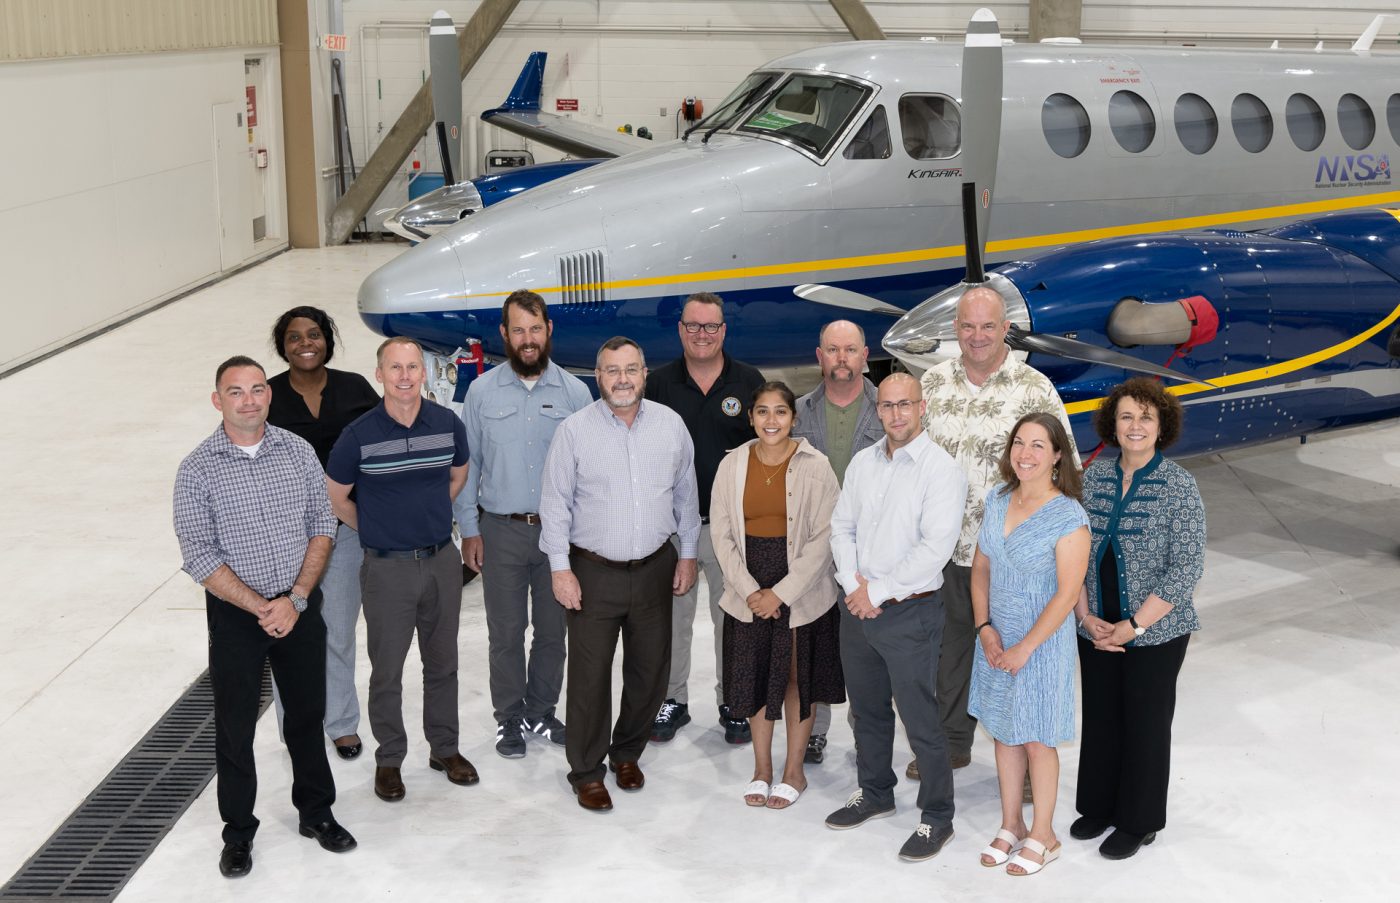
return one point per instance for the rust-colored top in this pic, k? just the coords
(765, 496)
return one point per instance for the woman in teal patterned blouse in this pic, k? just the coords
(1135, 616)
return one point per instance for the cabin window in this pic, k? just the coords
(1392, 117)
(1305, 123)
(930, 125)
(1132, 121)
(1196, 126)
(1252, 122)
(872, 140)
(1357, 122)
(1065, 123)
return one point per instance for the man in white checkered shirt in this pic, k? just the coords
(255, 527)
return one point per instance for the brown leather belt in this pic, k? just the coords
(620, 565)
(889, 603)
(532, 519)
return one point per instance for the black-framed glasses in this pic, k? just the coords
(710, 328)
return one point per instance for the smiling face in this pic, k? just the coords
(401, 372)
(982, 328)
(243, 396)
(304, 345)
(1033, 455)
(701, 346)
(528, 341)
(621, 377)
(772, 419)
(842, 353)
(1137, 427)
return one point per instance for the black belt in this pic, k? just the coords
(890, 603)
(620, 565)
(411, 554)
(704, 521)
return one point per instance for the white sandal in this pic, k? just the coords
(998, 856)
(757, 788)
(1029, 867)
(783, 792)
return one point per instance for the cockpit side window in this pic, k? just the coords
(931, 125)
(808, 111)
(872, 140)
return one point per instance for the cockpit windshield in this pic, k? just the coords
(739, 100)
(809, 111)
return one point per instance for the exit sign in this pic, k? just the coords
(335, 42)
(566, 104)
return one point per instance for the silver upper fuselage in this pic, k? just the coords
(613, 248)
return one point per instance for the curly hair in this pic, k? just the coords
(1066, 476)
(315, 315)
(1148, 393)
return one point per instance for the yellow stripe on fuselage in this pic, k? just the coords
(1261, 373)
(1183, 224)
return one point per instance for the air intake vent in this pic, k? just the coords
(582, 276)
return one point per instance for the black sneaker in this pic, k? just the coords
(548, 727)
(510, 738)
(925, 843)
(736, 730)
(856, 812)
(672, 717)
(816, 749)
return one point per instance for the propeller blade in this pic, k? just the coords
(1075, 350)
(445, 70)
(840, 297)
(981, 113)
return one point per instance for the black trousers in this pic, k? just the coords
(237, 649)
(1125, 754)
(636, 604)
(955, 658)
(894, 657)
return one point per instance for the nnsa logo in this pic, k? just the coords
(1371, 169)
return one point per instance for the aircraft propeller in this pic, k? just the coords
(445, 70)
(981, 140)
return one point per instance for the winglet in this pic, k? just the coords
(528, 86)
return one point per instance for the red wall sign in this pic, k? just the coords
(566, 104)
(252, 105)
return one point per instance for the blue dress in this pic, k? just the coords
(1036, 704)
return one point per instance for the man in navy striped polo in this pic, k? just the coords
(406, 460)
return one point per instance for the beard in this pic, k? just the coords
(611, 400)
(524, 368)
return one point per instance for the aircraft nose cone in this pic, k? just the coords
(423, 283)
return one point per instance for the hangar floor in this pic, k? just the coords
(1286, 732)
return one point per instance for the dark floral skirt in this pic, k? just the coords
(758, 654)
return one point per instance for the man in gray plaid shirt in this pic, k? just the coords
(255, 527)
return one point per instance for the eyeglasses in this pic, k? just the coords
(710, 328)
(889, 407)
(632, 372)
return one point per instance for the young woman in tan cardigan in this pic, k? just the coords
(770, 520)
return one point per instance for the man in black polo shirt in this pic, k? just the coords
(406, 460)
(713, 393)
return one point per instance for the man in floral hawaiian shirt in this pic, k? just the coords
(973, 401)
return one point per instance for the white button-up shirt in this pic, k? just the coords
(898, 519)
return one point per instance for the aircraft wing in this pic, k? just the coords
(521, 114)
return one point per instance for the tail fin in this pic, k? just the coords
(528, 86)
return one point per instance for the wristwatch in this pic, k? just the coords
(298, 602)
(1138, 630)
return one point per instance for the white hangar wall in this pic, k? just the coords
(109, 181)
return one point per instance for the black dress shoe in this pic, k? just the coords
(1123, 844)
(237, 859)
(1087, 827)
(330, 835)
(388, 784)
(349, 750)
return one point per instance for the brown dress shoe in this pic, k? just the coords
(959, 760)
(911, 771)
(629, 776)
(457, 768)
(593, 796)
(388, 786)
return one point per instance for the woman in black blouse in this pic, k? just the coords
(316, 402)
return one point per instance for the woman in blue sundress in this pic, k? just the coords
(1031, 557)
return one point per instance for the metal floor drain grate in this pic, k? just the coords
(96, 851)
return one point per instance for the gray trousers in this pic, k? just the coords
(683, 623)
(401, 596)
(955, 658)
(894, 657)
(519, 593)
(340, 588)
